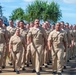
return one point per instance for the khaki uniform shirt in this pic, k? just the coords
(57, 38)
(2, 39)
(11, 30)
(71, 32)
(16, 42)
(74, 32)
(48, 31)
(2, 35)
(38, 35)
(23, 32)
(69, 37)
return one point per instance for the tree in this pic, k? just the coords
(38, 9)
(17, 14)
(43, 11)
(54, 12)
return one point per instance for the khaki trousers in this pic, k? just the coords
(57, 59)
(2, 47)
(71, 52)
(46, 57)
(74, 53)
(36, 56)
(67, 54)
(5, 55)
(23, 58)
(49, 56)
(28, 54)
(42, 58)
(17, 57)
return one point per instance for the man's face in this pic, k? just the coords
(21, 24)
(53, 26)
(48, 24)
(31, 24)
(57, 27)
(11, 22)
(71, 27)
(44, 26)
(62, 25)
(67, 26)
(27, 26)
(17, 32)
(17, 23)
(36, 22)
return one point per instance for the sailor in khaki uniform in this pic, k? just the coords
(65, 29)
(16, 45)
(46, 54)
(23, 32)
(69, 39)
(50, 28)
(72, 46)
(28, 54)
(37, 36)
(57, 44)
(17, 23)
(65, 52)
(3, 42)
(48, 32)
(11, 29)
(6, 51)
(74, 42)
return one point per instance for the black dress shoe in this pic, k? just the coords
(40, 68)
(17, 72)
(23, 68)
(14, 70)
(70, 58)
(38, 73)
(54, 72)
(10, 63)
(27, 65)
(3, 67)
(45, 65)
(67, 60)
(50, 61)
(33, 71)
(48, 64)
(62, 71)
(0, 71)
(64, 67)
(30, 62)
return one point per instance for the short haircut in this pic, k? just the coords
(21, 21)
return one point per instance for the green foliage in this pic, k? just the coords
(17, 14)
(54, 12)
(44, 11)
(35, 10)
(39, 9)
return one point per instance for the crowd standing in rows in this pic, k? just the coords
(37, 43)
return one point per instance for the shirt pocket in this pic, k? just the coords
(39, 35)
(61, 37)
(34, 33)
(54, 38)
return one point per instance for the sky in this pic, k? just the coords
(67, 7)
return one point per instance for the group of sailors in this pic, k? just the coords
(37, 43)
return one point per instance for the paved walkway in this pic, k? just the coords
(71, 70)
